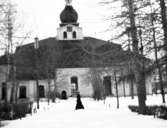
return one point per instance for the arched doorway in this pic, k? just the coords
(107, 85)
(64, 95)
(74, 85)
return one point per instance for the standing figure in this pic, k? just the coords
(79, 104)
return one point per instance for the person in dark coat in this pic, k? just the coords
(79, 104)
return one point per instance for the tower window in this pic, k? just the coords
(74, 35)
(69, 29)
(65, 35)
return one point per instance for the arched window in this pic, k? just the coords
(41, 91)
(65, 35)
(23, 92)
(4, 90)
(74, 34)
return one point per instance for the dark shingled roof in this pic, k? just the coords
(4, 59)
(53, 53)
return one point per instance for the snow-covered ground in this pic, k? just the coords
(96, 114)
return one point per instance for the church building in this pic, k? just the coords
(71, 63)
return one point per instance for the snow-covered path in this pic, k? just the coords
(95, 115)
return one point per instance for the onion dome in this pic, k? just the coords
(69, 15)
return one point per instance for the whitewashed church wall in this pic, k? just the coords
(149, 85)
(64, 80)
(135, 88)
(128, 88)
(30, 89)
(64, 84)
(120, 89)
(9, 88)
(85, 88)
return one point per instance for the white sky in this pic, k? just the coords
(41, 17)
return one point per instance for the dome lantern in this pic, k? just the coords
(68, 2)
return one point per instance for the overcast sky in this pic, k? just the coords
(41, 17)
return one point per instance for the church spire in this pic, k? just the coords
(68, 2)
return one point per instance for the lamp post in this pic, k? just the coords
(36, 46)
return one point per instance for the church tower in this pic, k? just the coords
(69, 27)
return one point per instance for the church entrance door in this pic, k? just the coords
(74, 85)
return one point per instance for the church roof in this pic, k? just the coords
(4, 59)
(53, 53)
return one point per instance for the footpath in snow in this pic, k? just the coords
(96, 114)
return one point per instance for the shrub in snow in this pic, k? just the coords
(14, 111)
(157, 111)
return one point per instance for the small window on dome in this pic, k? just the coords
(65, 35)
(74, 35)
(69, 29)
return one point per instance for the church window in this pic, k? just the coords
(65, 35)
(4, 91)
(69, 29)
(74, 34)
(107, 85)
(22, 92)
(41, 91)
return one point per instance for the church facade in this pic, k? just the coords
(68, 63)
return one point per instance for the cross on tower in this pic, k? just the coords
(68, 2)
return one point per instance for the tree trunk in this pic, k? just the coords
(37, 85)
(156, 59)
(49, 81)
(140, 81)
(12, 93)
(16, 92)
(137, 63)
(164, 26)
(116, 85)
(131, 88)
